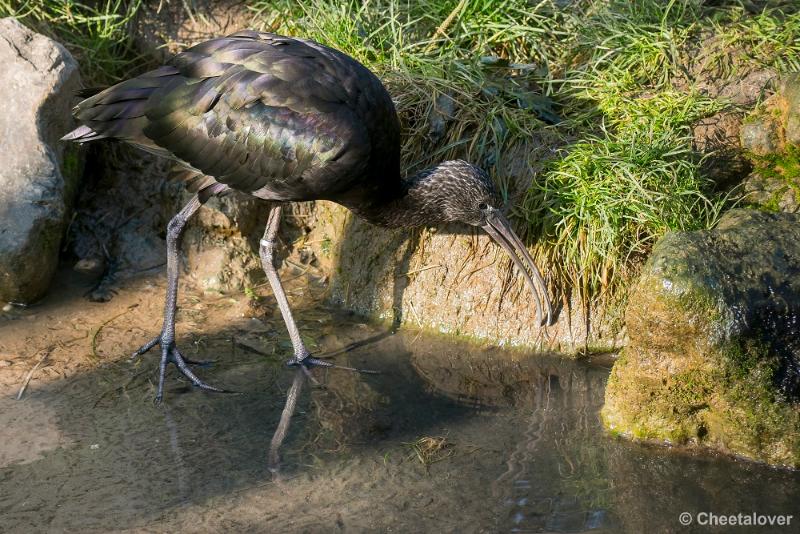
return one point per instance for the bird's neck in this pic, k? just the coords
(416, 202)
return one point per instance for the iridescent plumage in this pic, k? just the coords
(276, 117)
(286, 119)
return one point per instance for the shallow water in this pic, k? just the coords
(522, 449)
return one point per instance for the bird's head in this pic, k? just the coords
(465, 193)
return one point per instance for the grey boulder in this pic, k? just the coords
(37, 179)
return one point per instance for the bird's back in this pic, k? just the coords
(273, 116)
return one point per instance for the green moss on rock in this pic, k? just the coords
(771, 136)
(712, 358)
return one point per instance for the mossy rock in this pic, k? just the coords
(714, 357)
(771, 137)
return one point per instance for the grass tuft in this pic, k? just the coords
(580, 110)
(97, 33)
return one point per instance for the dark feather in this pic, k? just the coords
(284, 118)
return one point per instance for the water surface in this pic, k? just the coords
(521, 449)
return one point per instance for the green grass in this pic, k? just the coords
(97, 33)
(581, 111)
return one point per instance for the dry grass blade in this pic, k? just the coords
(431, 449)
(45, 353)
(105, 323)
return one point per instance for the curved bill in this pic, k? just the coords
(500, 230)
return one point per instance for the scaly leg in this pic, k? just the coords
(166, 339)
(267, 252)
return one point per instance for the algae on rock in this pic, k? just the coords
(771, 136)
(714, 358)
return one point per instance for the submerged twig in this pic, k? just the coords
(430, 450)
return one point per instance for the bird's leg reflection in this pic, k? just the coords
(177, 452)
(286, 416)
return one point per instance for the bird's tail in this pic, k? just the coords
(83, 133)
(119, 111)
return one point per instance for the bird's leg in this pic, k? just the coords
(267, 252)
(166, 339)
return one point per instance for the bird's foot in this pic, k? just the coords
(171, 354)
(306, 362)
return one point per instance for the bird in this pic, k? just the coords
(286, 119)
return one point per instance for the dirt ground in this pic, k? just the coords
(66, 334)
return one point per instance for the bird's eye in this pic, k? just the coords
(482, 206)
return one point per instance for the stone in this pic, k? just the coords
(122, 213)
(38, 175)
(760, 135)
(771, 136)
(713, 358)
(790, 89)
(771, 191)
(718, 138)
(775, 126)
(452, 280)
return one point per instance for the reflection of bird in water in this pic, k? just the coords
(273, 458)
(286, 119)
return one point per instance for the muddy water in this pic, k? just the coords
(448, 438)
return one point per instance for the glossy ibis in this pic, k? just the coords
(287, 119)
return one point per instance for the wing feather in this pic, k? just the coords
(274, 116)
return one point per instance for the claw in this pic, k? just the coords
(144, 348)
(181, 364)
(171, 354)
(307, 362)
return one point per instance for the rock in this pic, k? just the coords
(452, 280)
(714, 354)
(38, 178)
(771, 191)
(775, 126)
(442, 112)
(771, 135)
(717, 137)
(711, 65)
(761, 135)
(93, 266)
(748, 89)
(790, 89)
(123, 211)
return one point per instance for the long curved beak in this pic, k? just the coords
(500, 230)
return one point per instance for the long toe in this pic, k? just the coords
(309, 361)
(182, 365)
(171, 354)
(147, 346)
